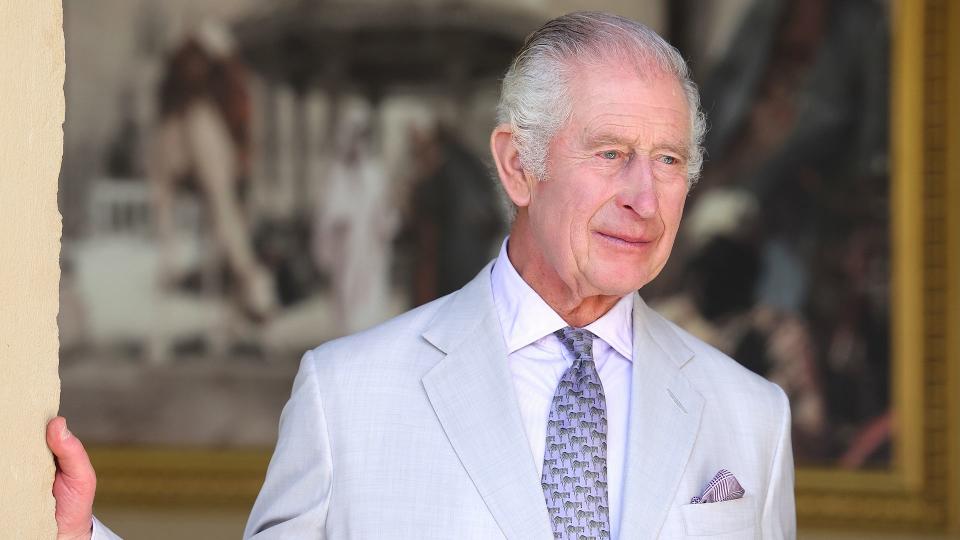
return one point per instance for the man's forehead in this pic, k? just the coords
(616, 122)
(628, 124)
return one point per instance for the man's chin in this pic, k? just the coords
(619, 285)
(621, 275)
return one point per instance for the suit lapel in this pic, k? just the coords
(472, 392)
(665, 414)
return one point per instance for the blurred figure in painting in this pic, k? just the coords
(202, 144)
(354, 227)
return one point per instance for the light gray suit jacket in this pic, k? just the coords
(412, 430)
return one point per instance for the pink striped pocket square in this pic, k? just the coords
(723, 487)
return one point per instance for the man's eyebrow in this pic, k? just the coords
(680, 150)
(606, 137)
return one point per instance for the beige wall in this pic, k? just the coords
(31, 139)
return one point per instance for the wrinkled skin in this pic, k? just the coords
(603, 222)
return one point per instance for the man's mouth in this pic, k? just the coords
(626, 240)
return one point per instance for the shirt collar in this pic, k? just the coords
(526, 318)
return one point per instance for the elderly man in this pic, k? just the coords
(545, 399)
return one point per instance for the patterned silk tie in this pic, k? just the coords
(574, 459)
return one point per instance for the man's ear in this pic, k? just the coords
(515, 181)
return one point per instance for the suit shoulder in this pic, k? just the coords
(391, 339)
(714, 372)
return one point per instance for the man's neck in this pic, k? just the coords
(575, 309)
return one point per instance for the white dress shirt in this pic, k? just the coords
(538, 360)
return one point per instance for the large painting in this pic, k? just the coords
(243, 182)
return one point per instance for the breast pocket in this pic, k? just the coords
(736, 519)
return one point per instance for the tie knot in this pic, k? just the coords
(578, 341)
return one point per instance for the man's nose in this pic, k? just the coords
(638, 191)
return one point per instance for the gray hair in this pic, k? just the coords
(534, 97)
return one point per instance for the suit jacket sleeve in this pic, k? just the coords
(295, 496)
(779, 510)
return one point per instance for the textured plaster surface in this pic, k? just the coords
(31, 142)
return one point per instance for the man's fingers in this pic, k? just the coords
(72, 459)
(75, 483)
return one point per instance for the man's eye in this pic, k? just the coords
(610, 154)
(669, 160)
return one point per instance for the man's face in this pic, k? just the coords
(606, 217)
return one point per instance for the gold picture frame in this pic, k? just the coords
(920, 490)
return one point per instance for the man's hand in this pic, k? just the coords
(74, 485)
